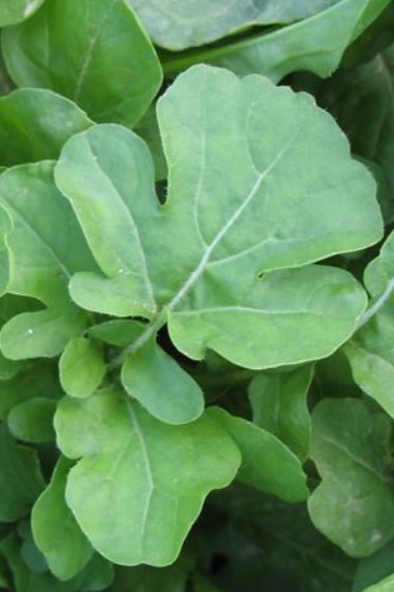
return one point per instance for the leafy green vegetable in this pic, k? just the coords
(32, 420)
(316, 44)
(17, 11)
(125, 477)
(279, 403)
(386, 585)
(81, 367)
(177, 25)
(65, 47)
(354, 504)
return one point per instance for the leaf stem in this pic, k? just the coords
(375, 308)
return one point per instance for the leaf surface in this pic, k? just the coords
(354, 504)
(32, 420)
(81, 367)
(65, 47)
(17, 11)
(146, 480)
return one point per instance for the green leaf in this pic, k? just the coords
(148, 130)
(93, 52)
(354, 504)
(32, 420)
(176, 26)
(21, 480)
(120, 333)
(373, 569)
(16, 11)
(81, 367)
(387, 585)
(33, 382)
(371, 351)
(199, 263)
(42, 260)
(146, 480)
(279, 403)
(267, 464)
(55, 529)
(159, 383)
(316, 44)
(361, 100)
(34, 125)
(151, 579)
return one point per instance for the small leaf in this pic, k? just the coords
(354, 504)
(279, 403)
(146, 480)
(65, 47)
(32, 420)
(21, 480)
(81, 367)
(55, 529)
(35, 124)
(159, 383)
(267, 464)
(387, 585)
(117, 332)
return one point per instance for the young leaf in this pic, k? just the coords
(210, 289)
(34, 125)
(146, 480)
(316, 44)
(354, 504)
(375, 568)
(55, 529)
(387, 585)
(267, 464)
(21, 480)
(81, 367)
(119, 332)
(279, 403)
(65, 47)
(43, 260)
(32, 420)
(159, 383)
(176, 26)
(371, 351)
(17, 11)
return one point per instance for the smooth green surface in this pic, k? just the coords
(32, 420)
(161, 385)
(177, 25)
(81, 367)
(56, 532)
(371, 352)
(42, 261)
(267, 463)
(21, 480)
(386, 585)
(199, 260)
(35, 124)
(65, 47)
(316, 44)
(146, 480)
(354, 504)
(16, 11)
(279, 404)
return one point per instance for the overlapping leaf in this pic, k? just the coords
(145, 480)
(43, 258)
(65, 47)
(354, 504)
(17, 11)
(200, 260)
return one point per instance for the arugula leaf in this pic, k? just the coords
(34, 125)
(42, 261)
(55, 529)
(145, 479)
(279, 403)
(267, 464)
(21, 480)
(154, 378)
(17, 11)
(81, 367)
(316, 44)
(232, 240)
(354, 504)
(32, 420)
(386, 585)
(371, 351)
(65, 47)
(176, 26)
(373, 569)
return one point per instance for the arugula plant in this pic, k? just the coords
(196, 282)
